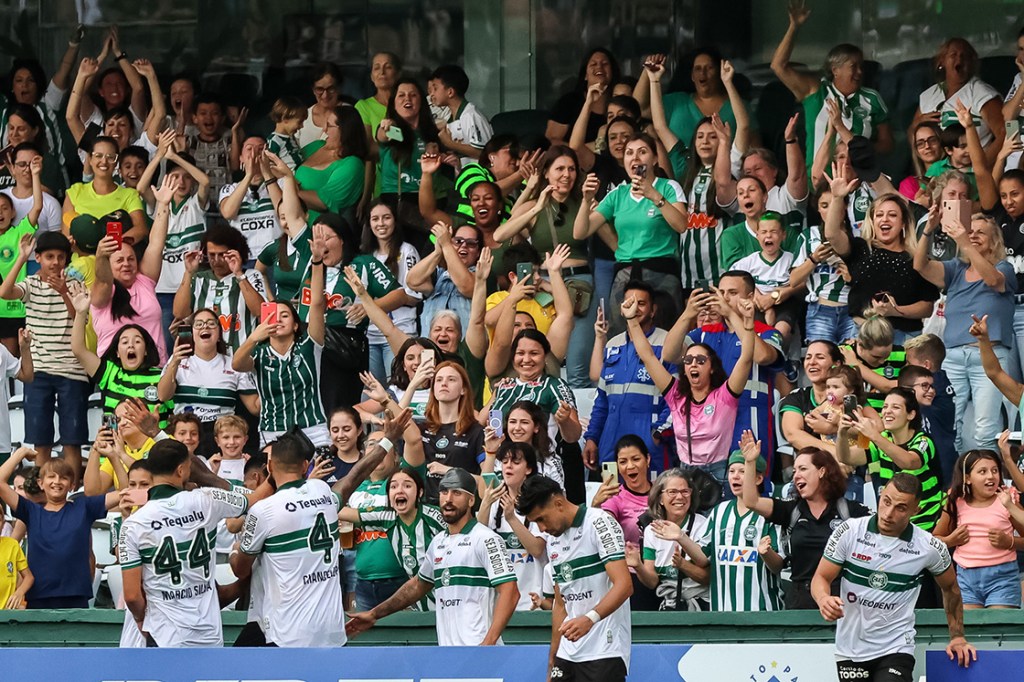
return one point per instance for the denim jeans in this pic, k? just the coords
(380, 362)
(900, 337)
(966, 375)
(370, 593)
(829, 323)
(167, 317)
(581, 342)
(68, 397)
(604, 273)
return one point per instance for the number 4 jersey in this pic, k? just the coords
(172, 539)
(295, 532)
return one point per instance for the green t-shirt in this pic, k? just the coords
(683, 115)
(287, 282)
(8, 254)
(339, 186)
(942, 165)
(642, 229)
(377, 279)
(401, 178)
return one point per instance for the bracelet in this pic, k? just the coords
(316, 262)
(791, 141)
(593, 615)
(748, 329)
(816, 262)
(386, 444)
(121, 56)
(240, 277)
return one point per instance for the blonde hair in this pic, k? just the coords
(928, 345)
(908, 232)
(995, 234)
(230, 421)
(875, 332)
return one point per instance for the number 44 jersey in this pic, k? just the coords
(172, 538)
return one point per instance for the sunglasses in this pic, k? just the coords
(699, 359)
(464, 241)
(559, 218)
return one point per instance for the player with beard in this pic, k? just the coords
(467, 566)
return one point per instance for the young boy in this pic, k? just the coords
(928, 351)
(467, 130)
(60, 379)
(954, 141)
(131, 164)
(184, 427)
(288, 115)
(213, 144)
(770, 269)
(12, 313)
(15, 576)
(231, 434)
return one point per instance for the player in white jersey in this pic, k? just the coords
(166, 553)
(882, 559)
(591, 585)
(468, 569)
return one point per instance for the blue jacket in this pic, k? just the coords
(627, 400)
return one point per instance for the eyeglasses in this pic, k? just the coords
(465, 241)
(103, 157)
(678, 493)
(924, 386)
(22, 164)
(317, 90)
(208, 324)
(699, 359)
(926, 142)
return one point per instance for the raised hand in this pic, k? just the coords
(483, 264)
(168, 187)
(430, 163)
(839, 184)
(798, 12)
(727, 71)
(628, 309)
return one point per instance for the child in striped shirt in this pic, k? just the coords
(288, 115)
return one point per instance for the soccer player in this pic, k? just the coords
(294, 533)
(166, 553)
(882, 559)
(468, 569)
(590, 585)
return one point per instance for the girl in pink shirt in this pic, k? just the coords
(703, 400)
(978, 523)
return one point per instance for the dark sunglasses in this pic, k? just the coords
(699, 359)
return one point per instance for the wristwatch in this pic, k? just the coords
(660, 202)
(776, 296)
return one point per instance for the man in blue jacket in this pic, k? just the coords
(627, 400)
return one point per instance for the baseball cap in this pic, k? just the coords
(87, 232)
(737, 458)
(458, 479)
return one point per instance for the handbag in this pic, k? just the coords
(347, 348)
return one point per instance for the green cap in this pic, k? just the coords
(737, 458)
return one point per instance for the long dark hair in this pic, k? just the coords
(959, 487)
(35, 69)
(541, 441)
(222, 348)
(425, 129)
(150, 359)
(694, 166)
(356, 419)
(833, 483)
(31, 117)
(353, 133)
(718, 376)
(581, 78)
(550, 156)
(416, 479)
(910, 401)
(399, 377)
(369, 241)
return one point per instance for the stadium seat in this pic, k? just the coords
(523, 123)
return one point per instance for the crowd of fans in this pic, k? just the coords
(734, 350)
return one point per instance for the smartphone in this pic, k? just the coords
(641, 170)
(92, 131)
(849, 405)
(185, 337)
(524, 271)
(1012, 127)
(394, 133)
(495, 419)
(109, 421)
(427, 355)
(600, 306)
(492, 480)
(137, 497)
(116, 230)
(956, 210)
(543, 298)
(610, 471)
(703, 285)
(268, 313)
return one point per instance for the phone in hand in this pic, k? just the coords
(703, 285)
(850, 406)
(109, 422)
(268, 313)
(115, 229)
(524, 272)
(185, 338)
(394, 133)
(610, 471)
(427, 356)
(492, 480)
(1013, 127)
(641, 170)
(954, 210)
(495, 419)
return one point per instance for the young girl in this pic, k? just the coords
(347, 440)
(411, 372)
(385, 241)
(977, 524)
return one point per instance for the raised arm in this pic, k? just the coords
(801, 85)
(396, 338)
(157, 116)
(739, 107)
(231, 204)
(751, 498)
(90, 361)
(578, 138)
(796, 163)
(8, 289)
(499, 351)
(662, 377)
(67, 62)
(7, 469)
(1006, 384)
(835, 218)
(394, 428)
(524, 217)
(931, 270)
(725, 183)
(654, 69)
(988, 193)
(743, 324)
(36, 168)
(316, 324)
(475, 332)
(430, 164)
(73, 116)
(201, 179)
(153, 258)
(588, 222)
(165, 141)
(420, 277)
(562, 326)
(138, 104)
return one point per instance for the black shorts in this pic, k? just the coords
(601, 670)
(251, 635)
(891, 668)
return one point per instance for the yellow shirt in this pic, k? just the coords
(543, 315)
(108, 468)
(12, 562)
(83, 269)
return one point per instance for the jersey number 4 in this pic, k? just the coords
(320, 538)
(166, 561)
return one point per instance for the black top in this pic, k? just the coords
(567, 110)
(1013, 237)
(877, 270)
(807, 539)
(463, 451)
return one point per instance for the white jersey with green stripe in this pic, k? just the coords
(295, 532)
(209, 388)
(578, 559)
(185, 228)
(171, 537)
(880, 581)
(256, 219)
(465, 568)
(740, 579)
(824, 281)
(409, 542)
(529, 570)
(661, 552)
(862, 112)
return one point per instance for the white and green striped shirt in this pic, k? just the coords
(824, 282)
(289, 385)
(408, 542)
(286, 148)
(224, 297)
(699, 244)
(209, 388)
(740, 580)
(862, 112)
(256, 218)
